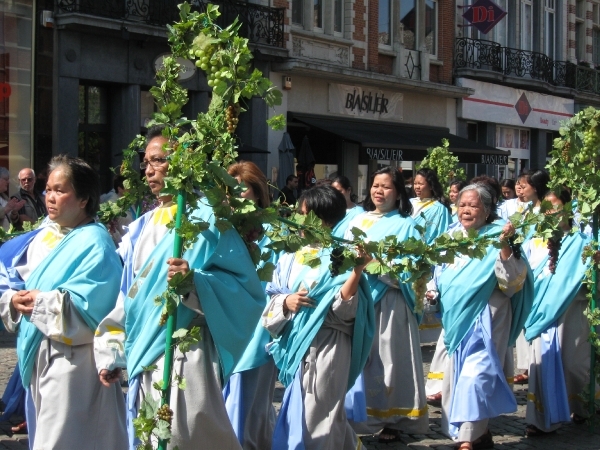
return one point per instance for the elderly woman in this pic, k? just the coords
(430, 208)
(558, 330)
(484, 304)
(9, 208)
(323, 329)
(64, 278)
(249, 392)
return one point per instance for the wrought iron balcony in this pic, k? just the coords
(480, 54)
(262, 24)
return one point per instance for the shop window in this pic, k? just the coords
(94, 130)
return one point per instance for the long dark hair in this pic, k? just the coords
(403, 204)
(437, 192)
(538, 179)
(564, 195)
(326, 202)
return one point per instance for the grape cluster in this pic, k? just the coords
(596, 257)
(591, 142)
(231, 117)
(515, 248)
(163, 319)
(337, 259)
(420, 288)
(165, 413)
(554, 244)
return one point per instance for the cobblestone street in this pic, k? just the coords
(508, 430)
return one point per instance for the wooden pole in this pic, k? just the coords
(172, 320)
(592, 394)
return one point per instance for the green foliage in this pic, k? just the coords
(444, 163)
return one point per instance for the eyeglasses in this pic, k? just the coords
(155, 163)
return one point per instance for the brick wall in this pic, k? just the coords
(386, 64)
(445, 54)
(373, 36)
(359, 34)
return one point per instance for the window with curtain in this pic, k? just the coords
(526, 25)
(338, 16)
(297, 12)
(318, 13)
(431, 34)
(385, 22)
(549, 27)
(408, 19)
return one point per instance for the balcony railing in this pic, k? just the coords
(262, 24)
(480, 54)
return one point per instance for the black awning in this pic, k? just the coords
(387, 141)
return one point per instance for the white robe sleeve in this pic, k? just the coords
(109, 342)
(511, 274)
(10, 316)
(56, 317)
(273, 317)
(345, 310)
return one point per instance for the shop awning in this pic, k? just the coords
(387, 141)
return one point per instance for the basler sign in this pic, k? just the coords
(368, 103)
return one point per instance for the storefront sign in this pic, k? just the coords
(484, 15)
(365, 102)
(384, 154)
(497, 160)
(507, 106)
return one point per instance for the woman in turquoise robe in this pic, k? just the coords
(63, 281)
(557, 330)
(484, 304)
(322, 327)
(430, 209)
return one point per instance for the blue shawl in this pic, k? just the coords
(289, 349)
(84, 263)
(230, 295)
(342, 225)
(435, 219)
(465, 288)
(555, 292)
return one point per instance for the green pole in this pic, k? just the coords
(592, 398)
(172, 320)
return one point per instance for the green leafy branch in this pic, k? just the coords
(444, 163)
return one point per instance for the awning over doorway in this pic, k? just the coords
(393, 141)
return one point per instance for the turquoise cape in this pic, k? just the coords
(289, 349)
(342, 225)
(434, 219)
(229, 290)
(85, 265)
(465, 288)
(555, 292)
(403, 228)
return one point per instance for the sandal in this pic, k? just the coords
(522, 378)
(480, 443)
(389, 435)
(533, 431)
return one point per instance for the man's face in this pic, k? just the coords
(293, 184)
(26, 179)
(156, 165)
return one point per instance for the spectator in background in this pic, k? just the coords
(34, 206)
(288, 192)
(508, 189)
(9, 208)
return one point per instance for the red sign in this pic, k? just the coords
(484, 15)
(5, 90)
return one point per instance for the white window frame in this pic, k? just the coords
(526, 34)
(550, 25)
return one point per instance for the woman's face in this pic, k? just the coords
(3, 185)
(471, 212)
(383, 193)
(249, 192)
(345, 192)
(528, 193)
(558, 204)
(508, 193)
(454, 193)
(421, 187)
(62, 203)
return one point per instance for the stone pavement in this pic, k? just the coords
(508, 430)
